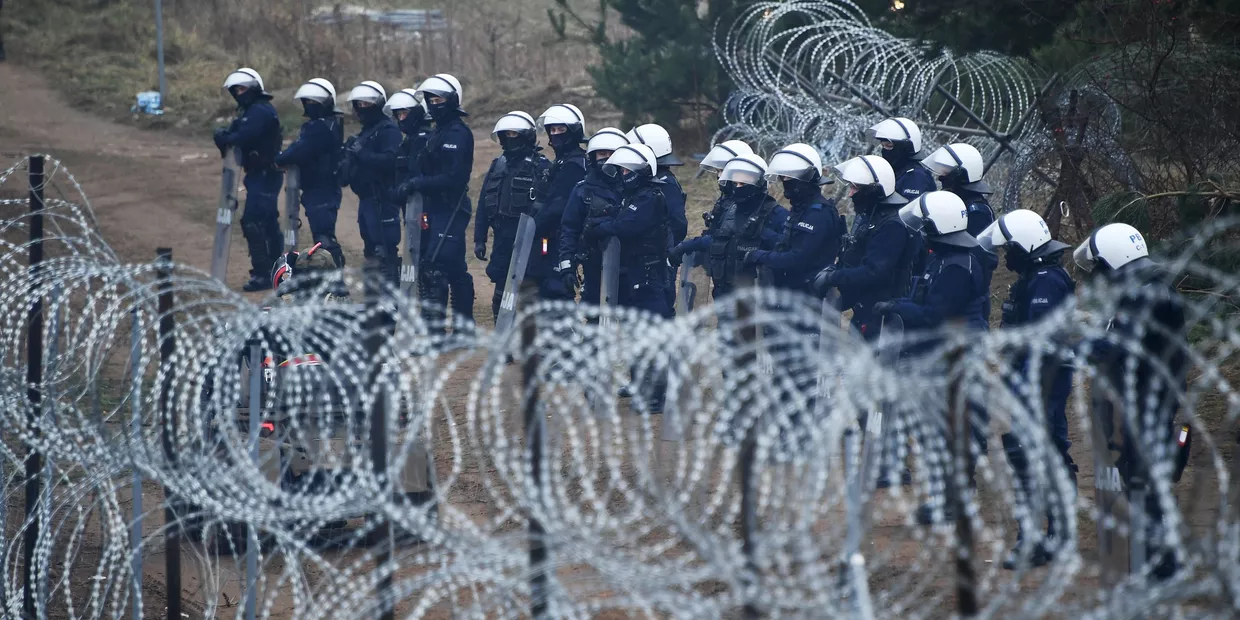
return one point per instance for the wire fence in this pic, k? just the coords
(174, 450)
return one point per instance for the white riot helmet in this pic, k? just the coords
(870, 171)
(407, 99)
(446, 86)
(1113, 246)
(636, 158)
(568, 115)
(898, 131)
(369, 91)
(657, 138)
(246, 77)
(722, 153)
(1021, 230)
(607, 139)
(959, 166)
(519, 122)
(744, 177)
(317, 89)
(797, 161)
(942, 216)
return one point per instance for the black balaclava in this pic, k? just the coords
(519, 146)
(368, 116)
(746, 194)
(567, 142)
(246, 99)
(1017, 260)
(414, 122)
(954, 180)
(867, 198)
(900, 153)
(315, 109)
(444, 112)
(633, 182)
(800, 192)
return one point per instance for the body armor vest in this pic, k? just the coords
(854, 255)
(512, 188)
(651, 248)
(974, 310)
(732, 235)
(598, 207)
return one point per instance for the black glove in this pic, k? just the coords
(570, 279)
(883, 307)
(751, 257)
(589, 230)
(219, 137)
(353, 146)
(480, 251)
(824, 280)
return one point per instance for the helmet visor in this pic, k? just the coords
(914, 215)
(994, 237)
(741, 173)
(1084, 256)
(790, 165)
(718, 157)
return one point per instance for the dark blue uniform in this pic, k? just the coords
(678, 222)
(876, 267)
(950, 290)
(912, 180)
(257, 136)
(371, 174)
(598, 198)
(443, 178)
(567, 171)
(980, 216)
(641, 225)
(514, 185)
(736, 228)
(316, 154)
(810, 240)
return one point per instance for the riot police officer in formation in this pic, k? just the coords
(959, 168)
(316, 153)
(657, 138)
(1145, 362)
(596, 198)
(1042, 285)
(369, 169)
(900, 142)
(812, 234)
(877, 264)
(415, 123)
(442, 176)
(256, 135)
(565, 127)
(746, 219)
(515, 183)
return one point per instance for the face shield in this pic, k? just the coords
(741, 173)
(1084, 256)
(719, 156)
(791, 165)
(914, 215)
(994, 237)
(626, 159)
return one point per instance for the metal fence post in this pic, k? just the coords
(34, 379)
(960, 431)
(534, 444)
(252, 545)
(374, 330)
(168, 416)
(135, 427)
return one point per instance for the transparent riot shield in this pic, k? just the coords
(516, 274)
(224, 215)
(609, 288)
(1114, 551)
(413, 245)
(292, 204)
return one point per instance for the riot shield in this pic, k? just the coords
(890, 337)
(413, 245)
(1113, 545)
(609, 288)
(224, 215)
(687, 294)
(516, 274)
(292, 203)
(828, 311)
(766, 361)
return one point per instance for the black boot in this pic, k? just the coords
(261, 261)
(257, 283)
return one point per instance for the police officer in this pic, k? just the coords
(256, 135)
(516, 181)
(596, 198)
(316, 153)
(900, 140)
(1042, 285)
(641, 224)
(415, 123)
(442, 175)
(657, 138)
(565, 127)
(813, 232)
(877, 264)
(369, 169)
(959, 167)
(747, 219)
(715, 160)
(950, 291)
(1145, 362)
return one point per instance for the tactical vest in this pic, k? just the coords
(798, 215)
(511, 191)
(854, 255)
(651, 247)
(411, 148)
(733, 235)
(598, 207)
(974, 311)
